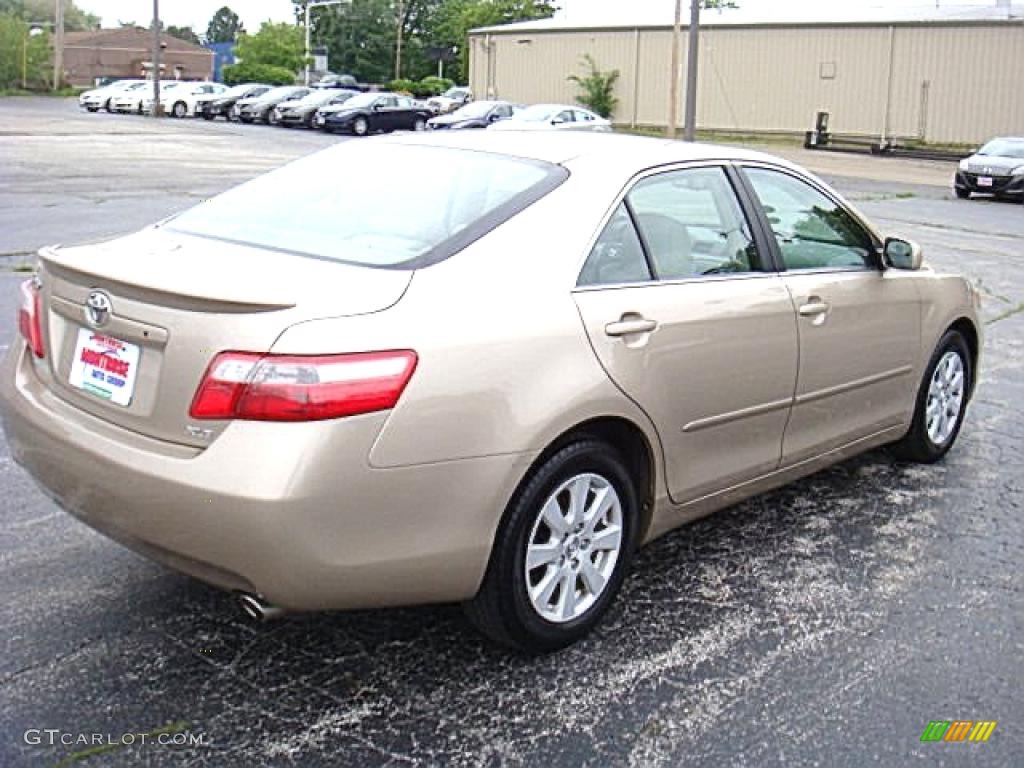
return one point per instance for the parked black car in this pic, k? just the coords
(370, 112)
(476, 114)
(302, 112)
(262, 107)
(221, 106)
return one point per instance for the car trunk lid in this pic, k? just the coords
(164, 304)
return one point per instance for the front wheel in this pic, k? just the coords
(963, 194)
(180, 109)
(420, 125)
(360, 127)
(561, 552)
(941, 402)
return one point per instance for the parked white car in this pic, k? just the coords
(99, 98)
(180, 98)
(450, 100)
(131, 98)
(553, 117)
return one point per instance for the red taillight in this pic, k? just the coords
(29, 316)
(243, 385)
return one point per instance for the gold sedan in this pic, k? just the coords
(479, 367)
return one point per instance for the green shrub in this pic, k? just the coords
(598, 88)
(435, 86)
(401, 86)
(252, 72)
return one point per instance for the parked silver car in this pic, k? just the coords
(995, 169)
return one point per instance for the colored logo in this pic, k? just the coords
(958, 730)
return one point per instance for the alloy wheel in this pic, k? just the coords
(945, 398)
(573, 547)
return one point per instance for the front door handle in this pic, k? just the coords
(626, 327)
(813, 308)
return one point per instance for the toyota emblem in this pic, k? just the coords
(97, 308)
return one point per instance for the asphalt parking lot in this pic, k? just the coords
(824, 624)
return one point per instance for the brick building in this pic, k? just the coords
(128, 52)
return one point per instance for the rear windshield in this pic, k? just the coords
(375, 203)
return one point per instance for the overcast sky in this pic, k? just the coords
(197, 13)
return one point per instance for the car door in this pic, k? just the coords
(859, 325)
(384, 116)
(692, 324)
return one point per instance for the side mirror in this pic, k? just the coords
(377, 107)
(902, 254)
(493, 117)
(557, 121)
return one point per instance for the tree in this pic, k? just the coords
(455, 18)
(277, 45)
(75, 18)
(224, 27)
(23, 55)
(598, 88)
(184, 33)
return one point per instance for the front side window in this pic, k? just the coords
(691, 224)
(812, 231)
(565, 116)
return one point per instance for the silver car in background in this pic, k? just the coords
(995, 169)
(553, 117)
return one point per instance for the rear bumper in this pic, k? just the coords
(292, 512)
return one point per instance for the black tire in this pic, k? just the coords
(963, 194)
(360, 126)
(92, 109)
(502, 609)
(420, 124)
(180, 109)
(110, 109)
(916, 445)
(208, 115)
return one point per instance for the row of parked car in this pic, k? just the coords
(336, 109)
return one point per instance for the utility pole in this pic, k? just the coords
(305, 80)
(398, 44)
(690, 130)
(58, 45)
(156, 58)
(673, 94)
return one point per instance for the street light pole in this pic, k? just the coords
(690, 129)
(310, 6)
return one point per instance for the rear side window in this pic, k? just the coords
(618, 255)
(692, 224)
(375, 203)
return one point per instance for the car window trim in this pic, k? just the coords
(776, 250)
(766, 265)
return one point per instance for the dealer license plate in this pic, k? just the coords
(104, 366)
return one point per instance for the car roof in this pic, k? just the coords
(579, 147)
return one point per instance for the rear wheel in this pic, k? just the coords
(180, 109)
(941, 402)
(561, 552)
(360, 126)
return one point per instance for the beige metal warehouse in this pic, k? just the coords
(949, 75)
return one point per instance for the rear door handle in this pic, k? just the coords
(814, 308)
(627, 327)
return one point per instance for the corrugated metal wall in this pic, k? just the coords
(949, 83)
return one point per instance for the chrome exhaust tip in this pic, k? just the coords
(257, 608)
